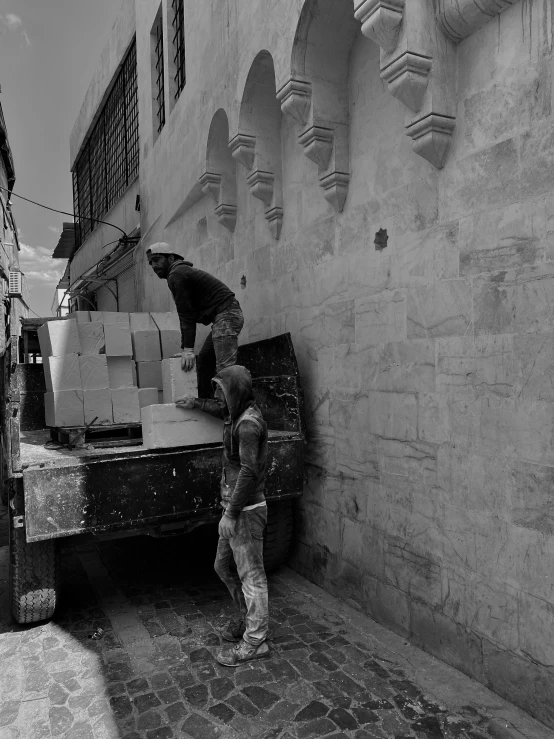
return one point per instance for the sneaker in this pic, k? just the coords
(242, 652)
(234, 630)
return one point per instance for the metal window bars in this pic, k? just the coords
(109, 160)
(159, 73)
(178, 24)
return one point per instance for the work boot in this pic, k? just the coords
(234, 630)
(242, 652)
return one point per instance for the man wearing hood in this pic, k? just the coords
(241, 528)
(200, 298)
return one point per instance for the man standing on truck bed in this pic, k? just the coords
(242, 525)
(200, 298)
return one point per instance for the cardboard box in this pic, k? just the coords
(166, 426)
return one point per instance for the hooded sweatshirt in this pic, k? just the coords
(198, 296)
(244, 441)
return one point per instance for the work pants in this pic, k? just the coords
(248, 585)
(220, 348)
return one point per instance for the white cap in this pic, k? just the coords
(161, 247)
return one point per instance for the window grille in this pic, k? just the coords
(159, 86)
(109, 161)
(178, 23)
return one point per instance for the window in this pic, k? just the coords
(178, 26)
(158, 73)
(109, 160)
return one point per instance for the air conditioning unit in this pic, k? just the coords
(15, 286)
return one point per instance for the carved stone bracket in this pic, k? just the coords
(262, 185)
(380, 20)
(211, 183)
(243, 148)
(431, 137)
(318, 144)
(335, 187)
(418, 65)
(295, 97)
(460, 18)
(407, 78)
(274, 218)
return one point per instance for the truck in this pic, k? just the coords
(112, 487)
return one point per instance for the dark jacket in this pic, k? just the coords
(199, 297)
(244, 441)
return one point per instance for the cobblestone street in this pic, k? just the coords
(130, 655)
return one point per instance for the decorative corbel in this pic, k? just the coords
(324, 142)
(263, 183)
(460, 18)
(211, 183)
(380, 20)
(417, 63)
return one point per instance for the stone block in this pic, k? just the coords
(62, 373)
(441, 309)
(381, 318)
(149, 374)
(145, 337)
(170, 426)
(57, 338)
(393, 415)
(148, 396)
(109, 317)
(98, 404)
(126, 405)
(134, 371)
(118, 339)
(120, 372)
(64, 408)
(81, 316)
(94, 372)
(176, 382)
(531, 494)
(170, 333)
(91, 336)
(160, 397)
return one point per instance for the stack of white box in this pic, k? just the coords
(105, 365)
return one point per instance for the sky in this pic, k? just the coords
(49, 50)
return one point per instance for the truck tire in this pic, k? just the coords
(278, 534)
(33, 578)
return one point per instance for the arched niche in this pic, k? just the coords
(257, 145)
(316, 93)
(219, 179)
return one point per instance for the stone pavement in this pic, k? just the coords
(130, 655)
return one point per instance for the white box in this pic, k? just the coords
(149, 374)
(177, 382)
(134, 371)
(81, 316)
(170, 333)
(126, 406)
(64, 408)
(170, 426)
(98, 404)
(57, 338)
(91, 336)
(120, 372)
(62, 373)
(109, 317)
(148, 396)
(160, 397)
(145, 337)
(94, 372)
(118, 339)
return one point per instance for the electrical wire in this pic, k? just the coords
(63, 212)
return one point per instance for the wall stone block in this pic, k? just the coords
(415, 460)
(485, 363)
(534, 367)
(400, 366)
(393, 415)
(428, 255)
(381, 318)
(413, 572)
(442, 309)
(320, 526)
(532, 493)
(536, 618)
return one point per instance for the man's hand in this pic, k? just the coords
(227, 526)
(186, 402)
(187, 360)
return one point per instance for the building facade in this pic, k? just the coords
(377, 178)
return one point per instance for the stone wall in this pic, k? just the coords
(425, 358)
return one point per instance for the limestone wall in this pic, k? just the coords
(426, 362)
